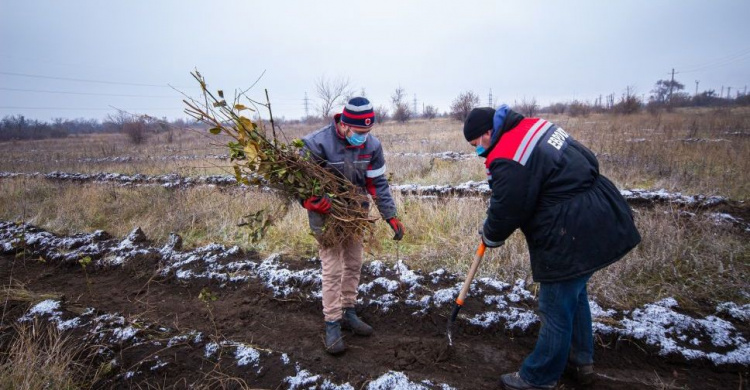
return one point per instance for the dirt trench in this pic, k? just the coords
(249, 313)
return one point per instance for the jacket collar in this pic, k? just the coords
(511, 120)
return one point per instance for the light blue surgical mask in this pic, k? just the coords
(480, 150)
(356, 139)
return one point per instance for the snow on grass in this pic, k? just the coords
(49, 307)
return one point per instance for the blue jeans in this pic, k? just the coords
(565, 332)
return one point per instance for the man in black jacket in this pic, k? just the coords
(575, 222)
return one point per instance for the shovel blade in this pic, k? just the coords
(451, 320)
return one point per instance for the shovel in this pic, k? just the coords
(464, 290)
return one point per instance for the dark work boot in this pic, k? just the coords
(514, 381)
(354, 323)
(334, 339)
(584, 374)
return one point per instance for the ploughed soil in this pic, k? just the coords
(249, 313)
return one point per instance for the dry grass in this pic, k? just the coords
(684, 258)
(35, 356)
(693, 260)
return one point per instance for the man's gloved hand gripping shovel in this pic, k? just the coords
(465, 290)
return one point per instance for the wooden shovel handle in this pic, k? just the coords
(470, 276)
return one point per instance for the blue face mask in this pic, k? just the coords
(356, 139)
(480, 150)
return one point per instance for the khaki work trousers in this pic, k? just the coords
(342, 265)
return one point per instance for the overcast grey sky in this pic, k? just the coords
(78, 58)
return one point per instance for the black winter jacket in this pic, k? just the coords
(545, 182)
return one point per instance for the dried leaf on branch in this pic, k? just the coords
(286, 167)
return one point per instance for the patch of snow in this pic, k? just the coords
(388, 284)
(735, 311)
(211, 349)
(407, 276)
(394, 380)
(328, 385)
(302, 379)
(384, 301)
(246, 355)
(69, 324)
(45, 307)
(598, 312)
(446, 295)
(437, 275)
(124, 334)
(375, 268)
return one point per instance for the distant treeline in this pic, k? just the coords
(17, 127)
(666, 95)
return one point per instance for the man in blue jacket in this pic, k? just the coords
(347, 148)
(575, 222)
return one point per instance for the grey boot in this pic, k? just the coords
(513, 381)
(351, 321)
(334, 339)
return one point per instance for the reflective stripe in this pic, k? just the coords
(354, 108)
(534, 140)
(525, 141)
(376, 172)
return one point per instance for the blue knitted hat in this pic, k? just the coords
(358, 112)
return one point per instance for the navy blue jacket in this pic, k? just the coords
(548, 185)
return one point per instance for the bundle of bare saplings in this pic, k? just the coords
(259, 158)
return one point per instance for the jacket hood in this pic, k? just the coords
(505, 120)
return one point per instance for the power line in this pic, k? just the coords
(84, 108)
(722, 61)
(84, 80)
(83, 93)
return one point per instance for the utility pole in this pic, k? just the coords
(729, 92)
(696, 87)
(415, 104)
(307, 106)
(490, 98)
(670, 87)
(721, 95)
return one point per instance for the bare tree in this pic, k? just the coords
(527, 108)
(463, 104)
(381, 114)
(401, 111)
(331, 93)
(135, 130)
(429, 112)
